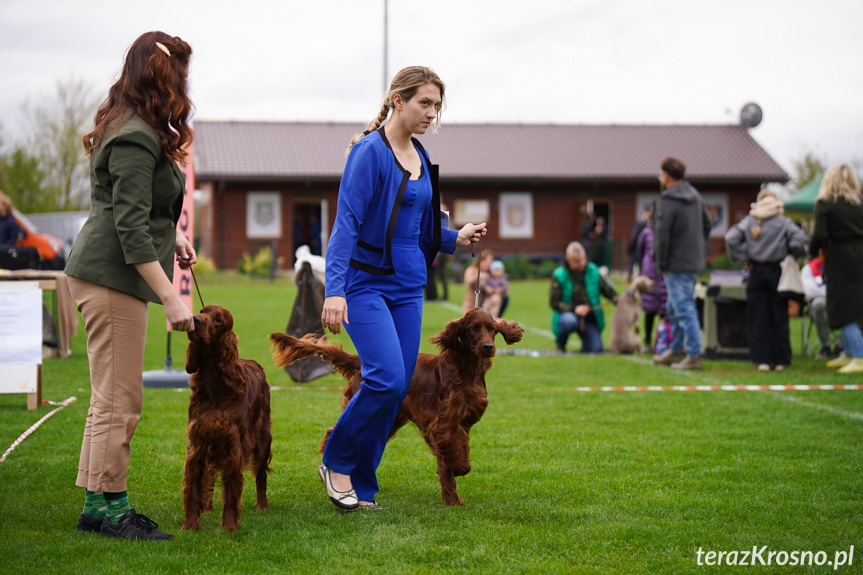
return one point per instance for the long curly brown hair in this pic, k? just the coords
(153, 84)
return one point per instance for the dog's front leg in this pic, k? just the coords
(209, 485)
(263, 453)
(193, 478)
(448, 492)
(462, 467)
(232, 483)
(448, 461)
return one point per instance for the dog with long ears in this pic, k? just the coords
(627, 316)
(447, 394)
(229, 420)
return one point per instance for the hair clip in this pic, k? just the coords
(162, 47)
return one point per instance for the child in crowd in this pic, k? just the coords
(496, 289)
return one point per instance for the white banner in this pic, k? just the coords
(20, 336)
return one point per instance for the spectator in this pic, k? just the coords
(816, 296)
(839, 232)
(640, 224)
(470, 283)
(575, 292)
(681, 229)
(594, 235)
(9, 228)
(761, 241)
(653, 302)
(495, 289)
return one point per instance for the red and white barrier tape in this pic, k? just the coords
(36, 425)
(718, 388)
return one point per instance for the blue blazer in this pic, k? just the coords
(370, 197)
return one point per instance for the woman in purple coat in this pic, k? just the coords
(652, 302)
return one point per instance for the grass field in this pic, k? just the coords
(563, 481)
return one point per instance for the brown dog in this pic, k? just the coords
(447, 394)
(627, 315)
(229, 420)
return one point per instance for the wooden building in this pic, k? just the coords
(535, 184)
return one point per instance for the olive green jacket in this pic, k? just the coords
(136, 197)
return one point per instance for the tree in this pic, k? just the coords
(23, 180)
(807, 168)
(57, 127)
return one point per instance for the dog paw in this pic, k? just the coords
(189, 524)
(453, 501)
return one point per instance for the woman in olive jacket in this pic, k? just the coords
(123, 258)
(839, 233)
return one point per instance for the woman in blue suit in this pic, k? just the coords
(387, 230)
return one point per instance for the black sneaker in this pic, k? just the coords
(87, 522)
(134, 526)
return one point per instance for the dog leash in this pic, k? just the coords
(195, 280)
(478, 271)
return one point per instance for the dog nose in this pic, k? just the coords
(198, 320)
(488, 347)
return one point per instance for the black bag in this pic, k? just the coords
(57, 263)
(305, 319)
(50, 337)
(18, 257)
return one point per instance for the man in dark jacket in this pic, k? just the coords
(639, 226)
(681, 229)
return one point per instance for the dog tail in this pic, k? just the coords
(288, 349)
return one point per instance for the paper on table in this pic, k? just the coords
(20, 323)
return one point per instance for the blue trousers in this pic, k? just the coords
(385, 328)
(682, 314)
(568, 323)
(852, 340)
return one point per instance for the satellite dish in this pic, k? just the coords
(750, 115)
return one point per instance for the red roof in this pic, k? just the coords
(258, 151)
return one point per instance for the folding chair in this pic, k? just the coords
(811, 346)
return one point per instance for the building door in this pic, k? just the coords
(595, 231)
(306, 225)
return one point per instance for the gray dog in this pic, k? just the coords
(626, 315)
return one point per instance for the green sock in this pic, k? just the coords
(118, 504)
(94, 504)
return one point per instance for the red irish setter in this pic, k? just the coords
(229, 420)
(447, 394)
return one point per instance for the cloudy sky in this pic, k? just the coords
(545, 61)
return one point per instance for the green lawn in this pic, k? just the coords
(562, 482)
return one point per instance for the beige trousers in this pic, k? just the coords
(116, 325)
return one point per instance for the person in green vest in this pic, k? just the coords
(576, 287)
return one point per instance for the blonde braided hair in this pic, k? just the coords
(405, 83)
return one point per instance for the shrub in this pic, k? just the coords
(543, 268)
(259, 265)
(723, 262)
(205, 265)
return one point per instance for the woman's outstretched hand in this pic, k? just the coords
(470, 234)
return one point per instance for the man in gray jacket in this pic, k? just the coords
(681, 229)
